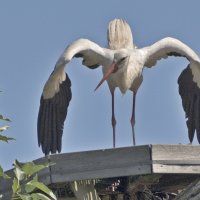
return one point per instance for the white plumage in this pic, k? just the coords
(122, 64)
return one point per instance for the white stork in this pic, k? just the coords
(122, 64)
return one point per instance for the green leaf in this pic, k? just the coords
(20, 175)
(25, 197)
(4, 118)
(15, 186)
(5, 138)
(39, 196)
(29, 188)
(31, 168)
(42, 187)
(1, 171)
(2, 174)
(18, 164)
(35, 178)
(4, 128)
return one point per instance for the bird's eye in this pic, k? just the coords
(122, 59)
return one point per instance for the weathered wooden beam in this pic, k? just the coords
(101, 164)
(175, 159)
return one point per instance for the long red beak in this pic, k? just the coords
(112, 69)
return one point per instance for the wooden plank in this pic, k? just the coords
(176, 159)
(176, 152)
(128, 161)
(101, 164)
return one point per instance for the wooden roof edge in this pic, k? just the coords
(123, 161)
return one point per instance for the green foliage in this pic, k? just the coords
(4, 138)
(4, 128)
(2, 174)
(4, 118)
(26, 185)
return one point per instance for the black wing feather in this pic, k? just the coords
(51, 117)
(190, 94)
(54, 137)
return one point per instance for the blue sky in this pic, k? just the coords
(34, 34)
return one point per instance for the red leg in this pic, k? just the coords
(133, 118)
(113, 120)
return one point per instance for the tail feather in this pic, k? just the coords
(119, 35)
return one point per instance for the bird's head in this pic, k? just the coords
(120, 62)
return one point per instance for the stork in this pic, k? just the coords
(122, 65)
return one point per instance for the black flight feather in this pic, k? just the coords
(51, 117)
(190, 94)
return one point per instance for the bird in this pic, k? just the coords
(122, 65)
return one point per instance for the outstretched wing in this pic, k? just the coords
(190, 94)
(56, 94)
(167, 47)
(93, 55)
(189, 80)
